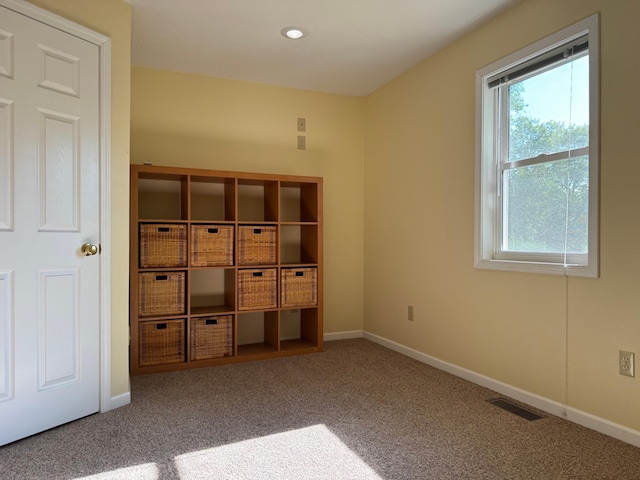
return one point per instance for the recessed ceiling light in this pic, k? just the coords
(293, 33)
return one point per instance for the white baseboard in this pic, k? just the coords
(585, 419)
(117, 402)
(343, 335)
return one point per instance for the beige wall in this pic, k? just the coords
(552, 336)
(201, 122)
(112, 18)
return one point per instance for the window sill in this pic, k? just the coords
(537, 267)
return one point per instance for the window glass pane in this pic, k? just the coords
(541, 202)
(549, 112)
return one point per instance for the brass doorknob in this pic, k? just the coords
(88, 249)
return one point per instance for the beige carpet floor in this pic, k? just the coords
(356, 411)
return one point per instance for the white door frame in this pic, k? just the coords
(104, 51)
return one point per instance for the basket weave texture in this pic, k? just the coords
(162, 342)
(299, 287)
(211, 337)
(256, 245)
(163, 245)
(161, 293)
(257, 289)
(211, 245)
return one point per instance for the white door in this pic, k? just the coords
(49, 208)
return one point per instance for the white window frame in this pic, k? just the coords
(488, 240)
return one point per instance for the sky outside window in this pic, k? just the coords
(547, 95)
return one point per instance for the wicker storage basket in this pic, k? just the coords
(161, 293)
(211, 337)
(298, 287)
(163, 245)
(161, 342)
(211, 245)
(256, 245)
(257, 289)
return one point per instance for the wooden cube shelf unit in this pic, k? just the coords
(225, 267)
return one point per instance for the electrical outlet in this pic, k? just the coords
(302, 142)
(626, 362)
(410, 313)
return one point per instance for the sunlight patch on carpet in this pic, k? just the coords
(147, 471)
(309, 453)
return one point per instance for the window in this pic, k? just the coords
(537, 157)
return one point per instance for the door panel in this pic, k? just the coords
(58, 328)
(6, 165)
(49, 207)
(6, 54)
(58, 166)
(59, 71)
(6, 336)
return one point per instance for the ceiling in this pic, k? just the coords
(353, 46)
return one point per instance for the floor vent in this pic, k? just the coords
(515, 409)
